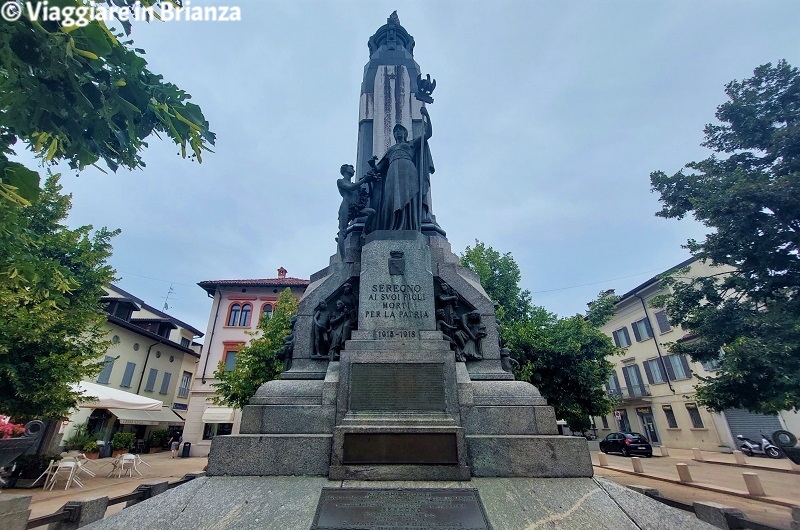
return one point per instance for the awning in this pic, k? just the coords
(147, 417)
(218, 415)
(112, 398)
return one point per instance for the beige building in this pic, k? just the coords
(236, 310)
(152, 354)
(654, 390)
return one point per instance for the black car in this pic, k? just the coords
(627, 443)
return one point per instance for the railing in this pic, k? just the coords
(628, 393)
(72, 511)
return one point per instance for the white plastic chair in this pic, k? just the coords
(128, 462)
(69, 470)
(48, 474)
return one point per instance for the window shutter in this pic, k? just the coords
(663, 322)
(616, 339)
(668, 367)
(636, 332)
(648, 372)
(685, 364)
(648, 327)
(627, 335)
(616, 379)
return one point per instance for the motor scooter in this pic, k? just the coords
(766, 447)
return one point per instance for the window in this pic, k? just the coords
(210, 430)
(713, 364)
(126, 378)
(663, 323)
(165, 383)
(604, 420)
(633, 380)
(240, 315)
(105, 375)
(654, 371)
(621, 337)
(677, 367)
(230, 360)
(185, 342)
(672, 423)
(186, 381)
(151, 380)
(266, 311)
(694, 415)
(642, 330)
(244, 319)
(233, 317)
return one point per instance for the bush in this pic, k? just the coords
(91, 447)
(123, 440)
(79, 438)
(158, 438)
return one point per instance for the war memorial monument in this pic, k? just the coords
(397, 407)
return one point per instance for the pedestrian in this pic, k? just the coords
(175, 442)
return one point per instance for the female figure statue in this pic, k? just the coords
(404, 178)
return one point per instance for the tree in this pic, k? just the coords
(80, 94)
(750, 196)
(500, 277)
(565, 358)
(256, 363)
(51, 319)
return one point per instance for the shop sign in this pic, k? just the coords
(644, 410)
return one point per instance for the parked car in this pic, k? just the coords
(627, 443)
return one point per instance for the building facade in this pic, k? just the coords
(236, 311)
(654, 389)
(152, 354)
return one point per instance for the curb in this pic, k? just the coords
(749, 466)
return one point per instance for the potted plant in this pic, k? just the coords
(122, 442)
(80, 437)
(91, 450)
(158, 438)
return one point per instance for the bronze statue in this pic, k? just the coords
(320, 327)
(287, 351)
(458, 339)
(403, 176)
(354, 202)
(341, 324)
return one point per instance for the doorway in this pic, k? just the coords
(649, 424)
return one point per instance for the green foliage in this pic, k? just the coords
(80, 437)
(84, 95)
(256, 362)
(565, 358)
(750, 196)
(158, 438)
(91, 447)
(500, 277)
(51, 281)
(123, 440)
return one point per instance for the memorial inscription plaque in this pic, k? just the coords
(393, 509)
(405, 387)
(400, 448)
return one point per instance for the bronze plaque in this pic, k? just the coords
(401, 387)
(400, 448)
(394, 509)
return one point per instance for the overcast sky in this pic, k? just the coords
(549, 118)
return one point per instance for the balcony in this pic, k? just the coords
(634, 393)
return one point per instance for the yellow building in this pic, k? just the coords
(654, 390)
(152, 354)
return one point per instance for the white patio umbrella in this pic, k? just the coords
(111, 398)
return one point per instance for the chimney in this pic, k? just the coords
(281, 273)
